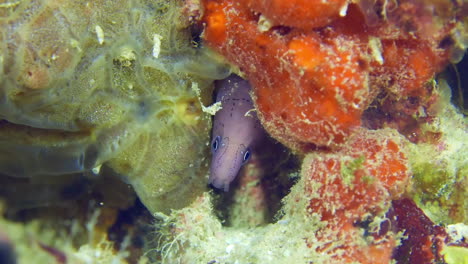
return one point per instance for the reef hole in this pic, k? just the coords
(253, 201)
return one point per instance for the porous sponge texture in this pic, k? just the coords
(104, 83)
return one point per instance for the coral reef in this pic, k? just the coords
(104, 131)
(352, 186)
(351, 85)
(348, 207)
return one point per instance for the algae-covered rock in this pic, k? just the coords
(195, 235)
(57, 240)
(347, 206)
(105, 83)
(441, 169)
(330, 214)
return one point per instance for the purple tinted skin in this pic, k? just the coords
(236, 131)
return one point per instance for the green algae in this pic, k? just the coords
(348, 170)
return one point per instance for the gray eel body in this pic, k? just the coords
(236, 131)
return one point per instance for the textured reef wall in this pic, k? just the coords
(351, 87)
(104, 104)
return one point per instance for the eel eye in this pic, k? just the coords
(215, 144)
(246, 155)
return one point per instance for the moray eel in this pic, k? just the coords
(236, 131)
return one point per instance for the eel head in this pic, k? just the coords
(228, 158)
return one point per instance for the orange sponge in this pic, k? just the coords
(354, 186)
(316, 66)
(313, 13)
(308, 90)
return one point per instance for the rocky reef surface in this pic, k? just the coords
(105, 131)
